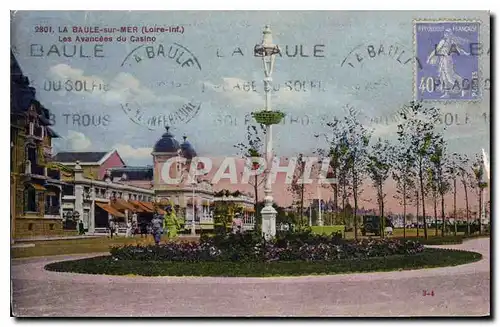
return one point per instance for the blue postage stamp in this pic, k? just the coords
(447, 65)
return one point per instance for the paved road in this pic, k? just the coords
(461, 290)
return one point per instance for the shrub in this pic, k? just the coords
(251, 247)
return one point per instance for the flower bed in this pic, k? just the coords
(249, 247)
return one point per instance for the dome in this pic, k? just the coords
(187, 149)
(167, 143)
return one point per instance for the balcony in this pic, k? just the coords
(37, 170)
(52, 210)
(54, 174)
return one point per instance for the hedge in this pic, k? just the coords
(429, 258)
(328, 230)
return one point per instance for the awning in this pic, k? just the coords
(249, 209)
(121, 204)
(110, 209)
(38, 187)
(139, 207)
(205, 202)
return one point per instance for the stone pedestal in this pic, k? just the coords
(269, 219)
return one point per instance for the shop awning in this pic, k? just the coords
(38, 187)
(110, 209)
(140, 207)
(122, 205)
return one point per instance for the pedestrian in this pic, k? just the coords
(170, 222)
(111, 227)
(157, 227)
(81, 230)
(129, 229)
(237, 224)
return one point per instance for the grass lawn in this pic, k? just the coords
(106, 265)
(85, 245)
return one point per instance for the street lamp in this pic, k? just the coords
(268, 51)
(193, 227)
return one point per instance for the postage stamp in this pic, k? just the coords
(448, 56)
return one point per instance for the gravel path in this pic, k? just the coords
(462, 290)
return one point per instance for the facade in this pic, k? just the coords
(191, 200)
(95, 202)
(243, 201)
(94, 164)
(35, 184)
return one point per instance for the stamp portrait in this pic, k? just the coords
(448, 53)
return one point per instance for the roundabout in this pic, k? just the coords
(461, 290)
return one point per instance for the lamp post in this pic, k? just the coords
(193, 227)
(268, 51)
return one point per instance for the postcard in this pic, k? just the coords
(250, 163)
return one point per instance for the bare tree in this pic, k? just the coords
(418, 127)
(403, 174)
(480, 184)
(253, 148)
(380, 162)
(357, 138)
(465, 177)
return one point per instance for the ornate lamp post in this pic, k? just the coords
(268, 51)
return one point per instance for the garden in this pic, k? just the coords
(249, 255)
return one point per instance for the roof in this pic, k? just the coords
(97, 158)
(79, 156)
(187, 149)
(133, 173)
(167, 143)
(22, 95)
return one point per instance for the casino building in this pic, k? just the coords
(101, 187)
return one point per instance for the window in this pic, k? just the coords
(31, 154)
(30, 226)
(68, 190)
(51, 226)
(30, 199)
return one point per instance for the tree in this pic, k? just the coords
(438, 159)
(453, 170)
(357, 140)
(253, 148)
(465, 177)
(379, 167)
(432, 186)
(418, 128)
(403, 174)
(480, 185)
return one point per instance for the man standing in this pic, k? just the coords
(111, 227)
(170, 222)
(156, 227)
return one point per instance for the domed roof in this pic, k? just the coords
(167, 143)
(187, 149)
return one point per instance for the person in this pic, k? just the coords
(156, 227)
(143, 226)
(129, 229)
(237, 223)
(389, 226)
(111, 227)
(170, 222)
(81, 230)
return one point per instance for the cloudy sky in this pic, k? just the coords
(331, 70)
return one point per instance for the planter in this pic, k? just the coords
(266, 117)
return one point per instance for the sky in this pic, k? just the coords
(330, 61)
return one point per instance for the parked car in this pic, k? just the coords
(371, 224)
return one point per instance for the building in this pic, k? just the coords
(35, 184)
(94, 164)
(95, 202)
(100, 187)
(190, 199)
